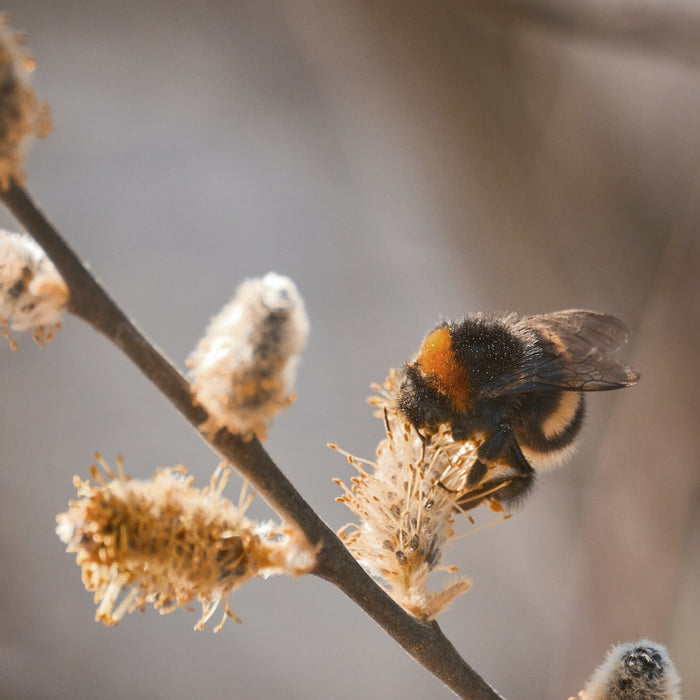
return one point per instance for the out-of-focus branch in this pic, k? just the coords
(659, 27)
(424, 641)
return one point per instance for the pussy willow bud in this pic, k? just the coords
(32, 293)
(165, 542)
(640, 670)
(22, 116)
(243, 369)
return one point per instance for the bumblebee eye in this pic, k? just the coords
(419, 402)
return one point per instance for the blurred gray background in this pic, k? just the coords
(402, 162)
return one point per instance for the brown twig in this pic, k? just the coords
(671, 31)
(424, 641)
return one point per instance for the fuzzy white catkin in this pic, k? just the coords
(640, 670)
(243, 369)
(32, 293)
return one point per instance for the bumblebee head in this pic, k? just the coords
(420, 402)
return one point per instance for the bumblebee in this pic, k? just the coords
(514, 386)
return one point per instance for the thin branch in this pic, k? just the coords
(424, 641)
(672, 30)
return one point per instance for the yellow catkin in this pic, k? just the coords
(406, 501)
(164, 542)
(22, 115)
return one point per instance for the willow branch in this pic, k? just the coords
(424, 641)
(670, 30)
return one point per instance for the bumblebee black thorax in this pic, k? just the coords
(486, 349)
(458, 360)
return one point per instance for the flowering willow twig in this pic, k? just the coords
(423, 640)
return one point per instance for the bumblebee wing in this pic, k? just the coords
(569, 350)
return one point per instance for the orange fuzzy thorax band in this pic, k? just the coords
(438, 364)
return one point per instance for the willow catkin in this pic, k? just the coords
(22, 115)
(244, 367)
(406, 500)
(32, 293)
(164, 542)
(640, 670)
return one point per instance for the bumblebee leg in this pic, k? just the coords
(518, 487)
(506, 488)
(519, 461)
(477, 473)
(502, 448)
